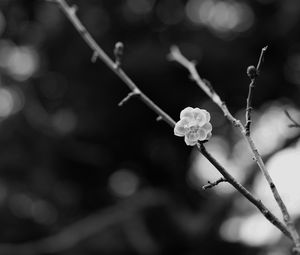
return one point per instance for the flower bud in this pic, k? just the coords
(251, 72)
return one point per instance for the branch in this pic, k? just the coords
(176, 55)
(129, 96)
(256, 202)
(210, 185)
(295, 123)
(252, 73)
(70, 12)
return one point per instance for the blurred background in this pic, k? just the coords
(80, 175)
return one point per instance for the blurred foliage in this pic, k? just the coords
(68, 152)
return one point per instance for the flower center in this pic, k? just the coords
(193, 132)
(194, 129)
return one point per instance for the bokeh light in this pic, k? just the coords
(223, 18)
(11, 101)
(24, 206)
(284, 168)
(123, 183)
(6, 103)
(64, 121)
(21, 62)
(272, 129)
(253, 230)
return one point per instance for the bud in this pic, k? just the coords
(118, 52)
(251, 72)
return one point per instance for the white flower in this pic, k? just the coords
(194, 125)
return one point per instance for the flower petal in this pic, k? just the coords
(207, 127)
(186, 113)
(207, 114)
(181, 128)
(202, 134)
(208, 136)
(192, 135)
(189, 142)
(199, 116)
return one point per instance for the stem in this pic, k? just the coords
(251, 89)
(176, 55)
(229, 178)
(286, 216)
(210, 184)
(70, 12)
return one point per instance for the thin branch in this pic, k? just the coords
(70, 12)
(176, 55)
(210, 184)
(129, 96)
(229, 178)
(295, 123)
(253, 72)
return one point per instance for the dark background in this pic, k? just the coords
(80, 175)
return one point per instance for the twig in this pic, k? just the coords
(229, 178)
(210, 184)
(252, 73)
(71, 14)
(295, 123)
(129, 96)
(176, 55)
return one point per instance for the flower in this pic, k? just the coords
(194, 125)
